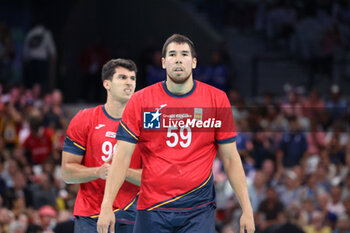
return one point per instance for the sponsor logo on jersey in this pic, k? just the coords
(110, 134)
(100, 126)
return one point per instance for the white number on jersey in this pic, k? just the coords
(108, 149)
(174, 137)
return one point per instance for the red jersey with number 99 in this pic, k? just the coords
(92, 134)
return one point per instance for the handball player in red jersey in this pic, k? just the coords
(178, 125)
(88, 150)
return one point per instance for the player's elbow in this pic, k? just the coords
(66, 177)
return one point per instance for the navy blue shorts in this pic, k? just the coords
(199, 220)
(89, 225)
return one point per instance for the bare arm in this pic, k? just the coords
(73, 172)
(235, 174)
(115, 178)
(134, 176)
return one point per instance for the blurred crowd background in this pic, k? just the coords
(283, 64)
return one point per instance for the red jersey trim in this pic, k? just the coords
(182, 195)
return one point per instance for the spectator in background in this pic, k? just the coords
(7, 53)
(336, 141)
(346, 188)
(47, 216)
(314, 106)
(292, 146)
(54, 113)
(262, 148)
(65, 222)
(6, 217)
(343, 224)
(10, 170)
(43, 192)
(19, 190)
(336, 105)
(10, 121)
(346, 204)
(307, 208)
(292, 105)
(16, 227)
(269, 212)
(289, 191)
(317, 224)
(315, 138)
(257, 190)
(335, 204)
(39, 56)
(289, 223)
(39, 143)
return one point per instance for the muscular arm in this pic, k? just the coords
(235, 174)
(73, 172)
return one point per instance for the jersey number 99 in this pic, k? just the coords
(108, 149)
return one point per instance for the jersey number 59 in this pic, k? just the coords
(174, 137)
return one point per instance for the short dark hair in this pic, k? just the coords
(108, 69)
(179, 39)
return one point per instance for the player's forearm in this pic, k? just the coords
(235, 174)
(73, 173)
(116, 176)
(134, 176)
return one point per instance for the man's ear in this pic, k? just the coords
(106, 84)
(194, 63)
(163, 62)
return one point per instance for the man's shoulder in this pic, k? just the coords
(88, 112)
(210, 88)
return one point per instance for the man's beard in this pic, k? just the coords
(179, 81)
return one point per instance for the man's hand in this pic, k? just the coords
(105, 220)
(247, 223)
(102, 171)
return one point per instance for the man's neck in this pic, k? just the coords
(114, 108)
(179, 88)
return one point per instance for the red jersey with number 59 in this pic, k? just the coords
(178, 137)
(92, 134)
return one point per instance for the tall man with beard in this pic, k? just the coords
(179, 125)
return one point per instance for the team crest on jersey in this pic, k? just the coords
(198, 113)
(152, 119)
